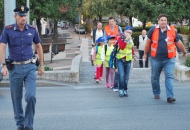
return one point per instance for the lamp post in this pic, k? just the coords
(79, 27)
(9, 6)
(28, 5)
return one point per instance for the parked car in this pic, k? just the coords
(64, 25)
(80, 28)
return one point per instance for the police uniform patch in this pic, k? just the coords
(32, 26)
(9, 26)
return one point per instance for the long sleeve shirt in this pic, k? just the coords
(122, 44)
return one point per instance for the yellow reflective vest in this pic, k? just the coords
(127, 52)
(107, 55)
(98, 60)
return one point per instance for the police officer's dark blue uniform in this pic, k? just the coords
(24, 72)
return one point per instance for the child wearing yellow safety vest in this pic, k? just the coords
(124, 57)
(98, 58)
(109, 70)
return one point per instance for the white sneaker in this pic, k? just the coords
(115, 90)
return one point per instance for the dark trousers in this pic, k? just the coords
(141, 53)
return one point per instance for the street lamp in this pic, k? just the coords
(9, 5)
(28, 5)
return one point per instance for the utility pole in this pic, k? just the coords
(28, 5)
(9, 6)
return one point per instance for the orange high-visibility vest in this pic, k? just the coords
(171, 35)
(109, 31)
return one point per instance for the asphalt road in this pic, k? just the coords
(91, 106)
(94, 107)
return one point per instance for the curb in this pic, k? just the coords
(61, 76)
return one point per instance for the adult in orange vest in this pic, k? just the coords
(162, 42)
(112, 29)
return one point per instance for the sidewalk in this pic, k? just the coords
(83, 46)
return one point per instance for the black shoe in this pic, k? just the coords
(20, 128)
(27, 128)
(171, 99)
(156, 97)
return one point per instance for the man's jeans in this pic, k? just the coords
(141, 53)
(116, 80)
(156, 68)
(124, 70)
(23, 75)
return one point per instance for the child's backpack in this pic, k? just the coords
(96, 49)
(113, 56)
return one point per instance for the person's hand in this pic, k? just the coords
(135, 58)
(116, 70)
(128, 37)
(4, 70)
(40, 71)
(184, 54)
(144, 57)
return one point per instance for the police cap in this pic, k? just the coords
(21, 10)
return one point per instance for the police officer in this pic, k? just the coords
(19, 38)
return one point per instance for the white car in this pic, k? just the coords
(80, 28)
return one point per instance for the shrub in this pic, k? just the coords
(187, 61)
(183, 30)
(46, 68)
(135, 36)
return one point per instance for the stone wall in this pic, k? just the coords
(182, 72)
(68, 76)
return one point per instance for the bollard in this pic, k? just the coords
(85, 35)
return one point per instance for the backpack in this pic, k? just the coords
(105, 47)
(113, 55)
(96, 49)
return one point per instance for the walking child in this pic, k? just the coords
(109, 69)
(98, 58)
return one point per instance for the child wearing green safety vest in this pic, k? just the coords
(109, 70)
(98, 58)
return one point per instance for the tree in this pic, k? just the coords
(124, 7)
(97, 8)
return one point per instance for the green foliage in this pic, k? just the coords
(139, 29)
(97, 8)
(46, 68)
(135, 36)
(187, 61)
(183, 30)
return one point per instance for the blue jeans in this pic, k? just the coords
(156, 68)
(124, 71)
(23, 75)
(116, 81)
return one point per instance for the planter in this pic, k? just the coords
(182, 72)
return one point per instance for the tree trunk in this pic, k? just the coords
(100, 18)
(130, 21)
(39, 27)
(144, 24)
(55, 35)
(122, 19)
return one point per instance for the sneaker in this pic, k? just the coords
(112, 86)
(97, 81)
(115, 89)
(121, 94)
(107, 85)
(125, 93)
(101, 78)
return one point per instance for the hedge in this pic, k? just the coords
(135, 36)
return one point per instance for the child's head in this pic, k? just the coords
(100, 41)
(128, 30)
(111, 39)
